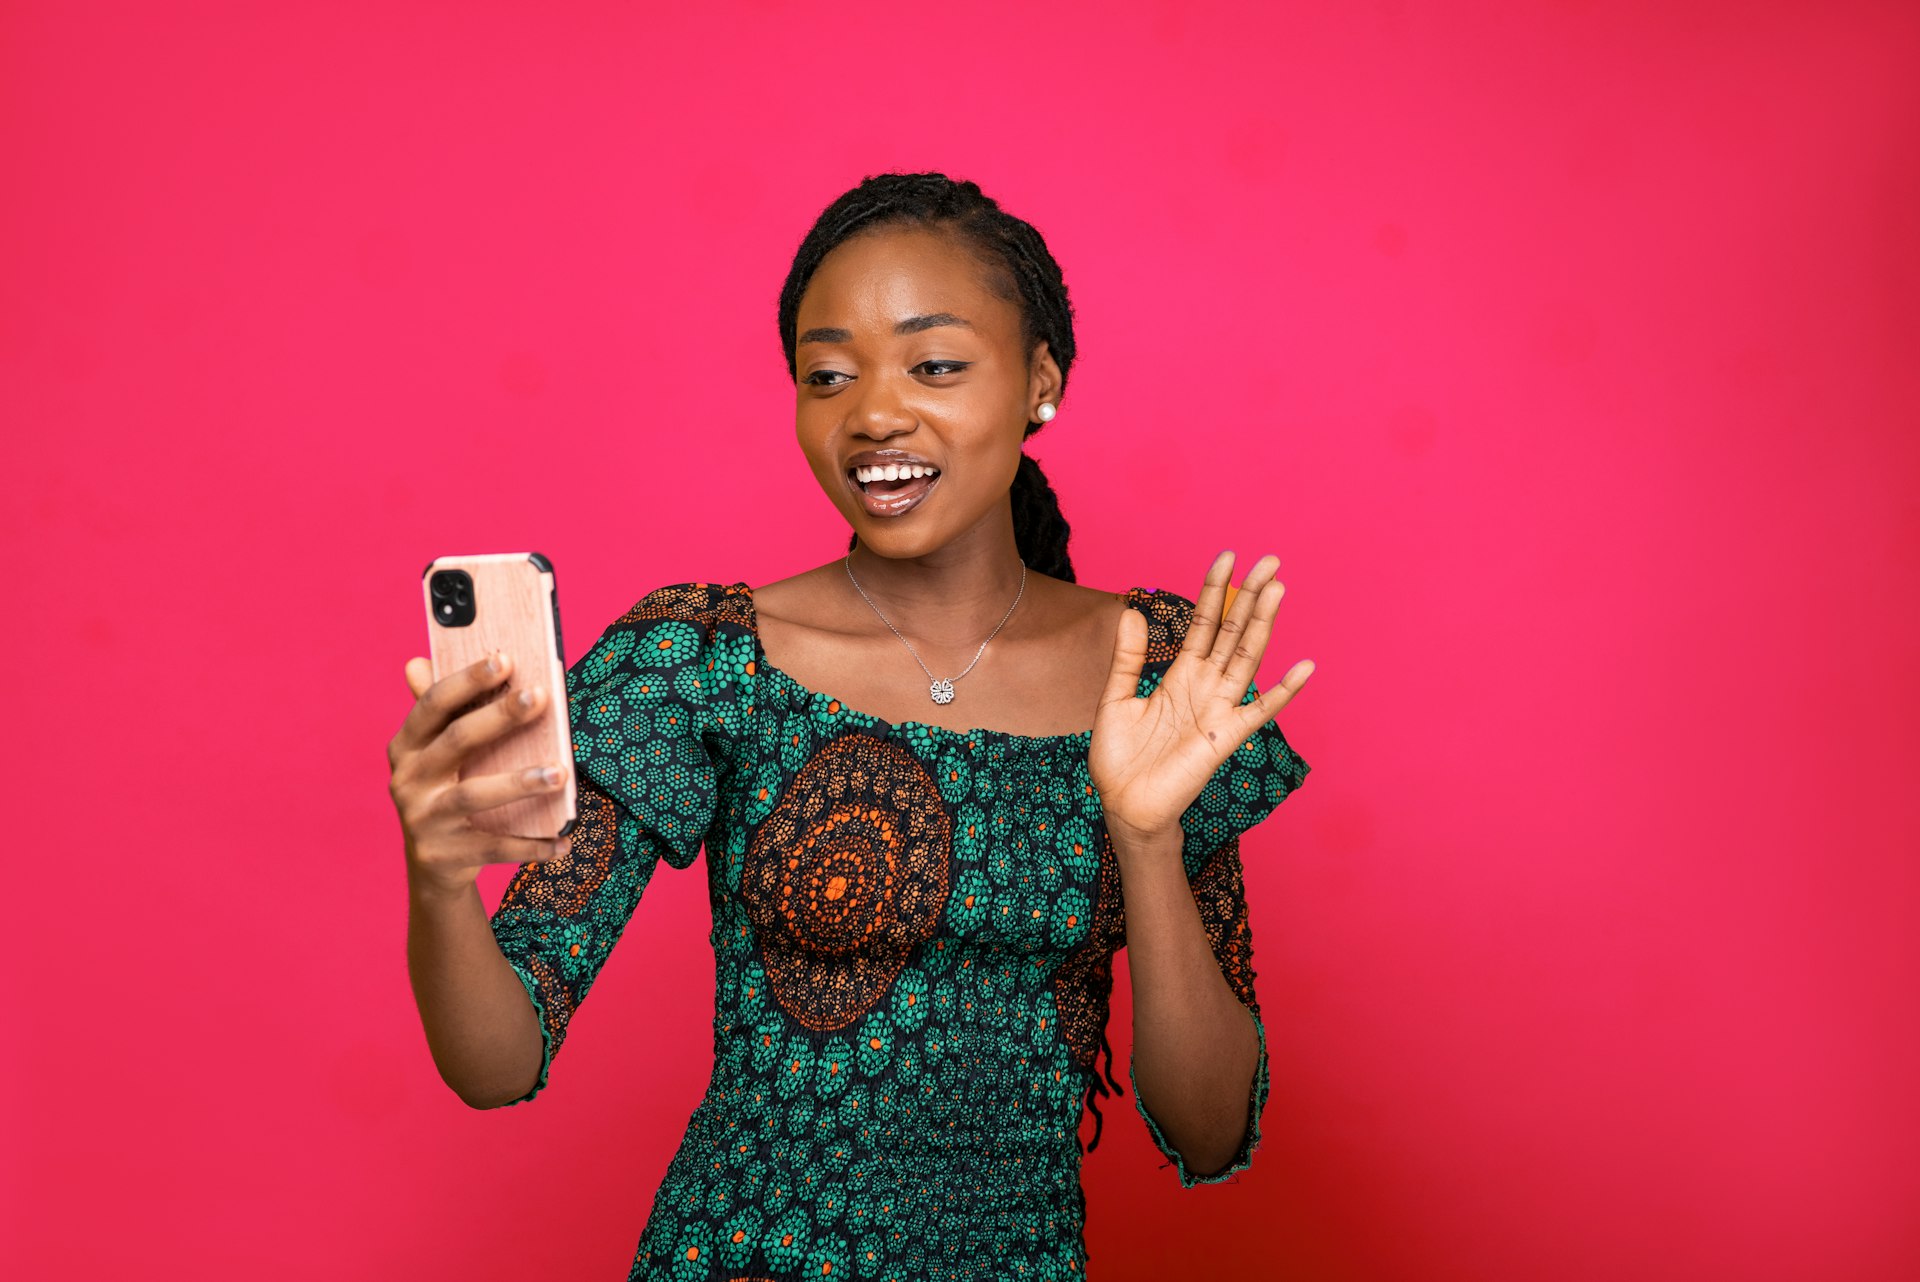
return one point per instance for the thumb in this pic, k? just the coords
(1129, 654)
(419, 676)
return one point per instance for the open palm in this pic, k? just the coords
(1150, 758)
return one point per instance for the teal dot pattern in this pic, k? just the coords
(914, 931)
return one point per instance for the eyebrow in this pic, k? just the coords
(911, 325)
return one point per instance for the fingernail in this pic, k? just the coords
(562, 846)
(551, 775)
(525, 697)
(493, 662)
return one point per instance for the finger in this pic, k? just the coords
(1244, 662)
(1206, 606)
(419, 676)
(1233, 624)
(467, 734)
(484, 792)
(444, 699)
(487, 848)
(1268, 705)
(1129, 655)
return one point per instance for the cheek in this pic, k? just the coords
(822, 454)
(815, 442)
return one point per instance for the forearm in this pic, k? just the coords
(1195, 1049)
(482, 1031)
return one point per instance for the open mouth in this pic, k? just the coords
(892, 489)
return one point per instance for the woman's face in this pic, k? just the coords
(905, 355)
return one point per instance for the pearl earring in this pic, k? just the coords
(1045, 412)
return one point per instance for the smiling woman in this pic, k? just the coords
(939, 784)
(991, 369)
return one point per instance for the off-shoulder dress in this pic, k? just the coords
(913, 929)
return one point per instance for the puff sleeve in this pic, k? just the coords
(640, 705)
(1259, 775)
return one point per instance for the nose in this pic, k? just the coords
(878, 411)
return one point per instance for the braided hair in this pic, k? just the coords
(1021, 271)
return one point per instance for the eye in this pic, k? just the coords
(819, 377)
(939, 368)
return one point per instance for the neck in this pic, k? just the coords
(953, 596)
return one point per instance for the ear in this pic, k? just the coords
(1043, 383)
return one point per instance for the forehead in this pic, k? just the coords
(890, 273)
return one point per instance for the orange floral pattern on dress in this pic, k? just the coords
(846, 877)
(1221, 893)
(563, 888)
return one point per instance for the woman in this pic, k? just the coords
(923, 779)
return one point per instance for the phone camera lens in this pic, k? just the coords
(451, 595)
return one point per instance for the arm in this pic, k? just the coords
(1199, 759)
(481, 1029)
(1196, 1048)
(483, 1032)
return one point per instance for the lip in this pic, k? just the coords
(876, 505)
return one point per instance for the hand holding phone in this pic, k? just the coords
(482, 766)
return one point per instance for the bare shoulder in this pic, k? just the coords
(809, 599)
(1074, 611)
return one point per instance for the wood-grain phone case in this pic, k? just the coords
(516, 609)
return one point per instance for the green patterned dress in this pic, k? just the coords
(913, 928)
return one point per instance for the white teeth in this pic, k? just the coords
(893, 472)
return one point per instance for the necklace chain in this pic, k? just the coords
(942, 689)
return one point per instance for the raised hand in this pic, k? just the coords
(1150, 758)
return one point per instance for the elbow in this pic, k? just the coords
(1224, 1143)
(1218, 1160)
(504, 1085)
(484, 1098)
(486, 1103)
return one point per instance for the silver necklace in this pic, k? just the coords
(942, 687)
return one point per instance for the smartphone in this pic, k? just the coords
(507, 601)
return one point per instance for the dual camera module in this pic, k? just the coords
(452, 598)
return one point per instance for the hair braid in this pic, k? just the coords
(1023, 271)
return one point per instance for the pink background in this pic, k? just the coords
(1564, 352)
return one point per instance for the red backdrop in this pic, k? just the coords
(1564, 352)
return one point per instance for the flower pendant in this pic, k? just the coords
(942, 691)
